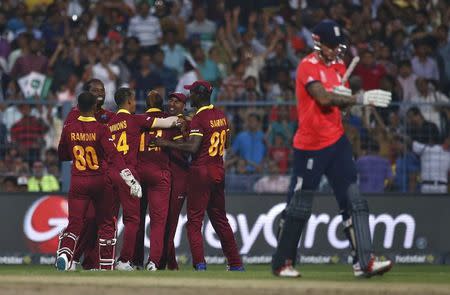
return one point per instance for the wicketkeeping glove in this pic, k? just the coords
(377, 97)
(342, 90)
(135, 187)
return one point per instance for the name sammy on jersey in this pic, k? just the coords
(218, 123)
(80, 136)
(118, 126)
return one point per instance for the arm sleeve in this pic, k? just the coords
(307, 73)
(144, 122)
(164, 123)
(114, 157)
(196, 127)
(63, 149)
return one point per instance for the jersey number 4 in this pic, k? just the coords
(217, 143)
(122, 145)
(85, 157)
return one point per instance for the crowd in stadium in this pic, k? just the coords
(249, 51)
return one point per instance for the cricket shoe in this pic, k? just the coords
(123, 266)
(200, 266)
(375, 268)
(62, 262)
(235, 268)
(75, 266)
(287, 271)
(151, 266)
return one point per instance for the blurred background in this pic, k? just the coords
(249, 51)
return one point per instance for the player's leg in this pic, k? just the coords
(106, 222)
(177, 196)
(131, 220)
(218, 217)
(138, 259)
(78, 202)
(354, 208)
(87, 242)
(308, 168)
(158, 205)
(198, 193)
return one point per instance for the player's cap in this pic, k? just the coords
(199, 86)
(180, 96)
(328, 32)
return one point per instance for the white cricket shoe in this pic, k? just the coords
(123, 266)
(62, 262)
(287, 271)
(375, 268)
(75, 266)
(151, 266)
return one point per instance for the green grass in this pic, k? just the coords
(429, 274)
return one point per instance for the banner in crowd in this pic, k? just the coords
(407, 229)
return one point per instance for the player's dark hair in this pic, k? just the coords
(88, 84)
(86, 101)
(122, 95)
(154, 100)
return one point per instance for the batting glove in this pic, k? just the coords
(377, 97)
(135, 187)
(342, 90)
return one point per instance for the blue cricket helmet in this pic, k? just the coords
(328, 32)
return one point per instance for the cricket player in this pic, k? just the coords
(208, 139)
(88, 144)
(126, 129)
(154, 170)
(87, 242)
(320, 147)
(179, 167)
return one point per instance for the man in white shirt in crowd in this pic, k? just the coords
(423, 65)
(430, 101)
(273, 182)
(407, 80)
(202, 26)
(435, 164)
(145, 27)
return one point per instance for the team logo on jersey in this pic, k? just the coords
(43, 222)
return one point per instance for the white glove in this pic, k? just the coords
(342, 90)
(135, 187)
(377, 97)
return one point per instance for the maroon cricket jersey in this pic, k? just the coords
(178, 158)
(89, 145)
(126, 131)
(211, 124)
(101, 115)
(155, 155)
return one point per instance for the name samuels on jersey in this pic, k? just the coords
(80, 136)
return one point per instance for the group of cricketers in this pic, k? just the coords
(152, 162)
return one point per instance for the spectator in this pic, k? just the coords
(175, 21)
(189, 76)
(130, 55)
(10, 184)
(29, 28)
(201, 26)
(407, 168)
(419, 129)
(30, 61)
(67, 92)
(249, 145)
(41, 181)
(402, 48)
(444, 52)
(28, 133)
(373, 170)
(107, 72)
(146, 28)
(407, 80)
(273, 183)
(283, 126)
(434, 164)
(208, 69)
(370, 72)
(144, 79)
(279, 152)
(423, 65)
(279, 62)
(174, 53)
(427, 97)
(250, 93)
(168, 76)
(234, 85)
(63, 62)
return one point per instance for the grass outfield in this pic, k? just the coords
(317, 279)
